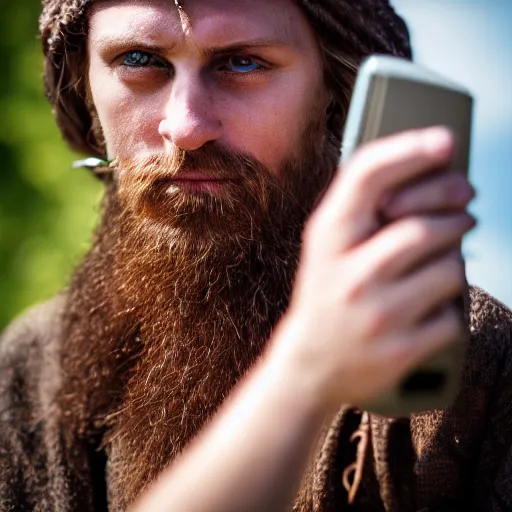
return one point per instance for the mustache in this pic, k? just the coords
(144, 180)
(143, 187)
(211, 159)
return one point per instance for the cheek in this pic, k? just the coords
(269, 124)
(129, 123)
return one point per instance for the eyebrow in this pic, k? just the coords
(112, 43)
(118, 42)
(241, 46)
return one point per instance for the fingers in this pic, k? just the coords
(411, 347)
(380, 166)
(401, 246)
(366, 293)
(410, 300)
(444, 191)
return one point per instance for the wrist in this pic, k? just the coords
(294, 369)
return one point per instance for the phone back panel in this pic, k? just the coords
(399, 105)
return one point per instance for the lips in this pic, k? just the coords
(196, 176)
(196, 182)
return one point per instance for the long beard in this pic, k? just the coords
(177, 299)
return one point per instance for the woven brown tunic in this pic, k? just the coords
(456, 459)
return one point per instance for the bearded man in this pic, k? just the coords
(222, 122)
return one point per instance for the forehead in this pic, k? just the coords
(209, 21)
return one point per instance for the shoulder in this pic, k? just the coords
(486, 380)
(487, 371)
(38, 325)
(29, 350)
(485, 308)
(490, 324)
(29, 379)
(468, 441)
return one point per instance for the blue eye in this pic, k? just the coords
(241, 64)
(140, 59)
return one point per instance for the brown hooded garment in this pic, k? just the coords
(459, 458)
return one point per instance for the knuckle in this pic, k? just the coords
(401, 204)
(451, 272)
(448, 189)
(372, 156)
(356, 287)
(419, 230)
(355, 279)
(362, 165)
(454, 179)
(380, 320)
(454, 190)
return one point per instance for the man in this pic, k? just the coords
(223, 123)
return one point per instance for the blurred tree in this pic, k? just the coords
(47, 210)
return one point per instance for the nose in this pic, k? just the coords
(189, 120)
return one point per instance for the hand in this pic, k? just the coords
(362, 308)
(443, 191)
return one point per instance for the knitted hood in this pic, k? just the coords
(354, 28)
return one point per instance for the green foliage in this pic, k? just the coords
(47, 209)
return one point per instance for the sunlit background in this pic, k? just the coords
(47, 210)
(470, 41)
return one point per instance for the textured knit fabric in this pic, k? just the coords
(459, 458)
(355, 29)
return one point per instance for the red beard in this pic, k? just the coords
(177, 299)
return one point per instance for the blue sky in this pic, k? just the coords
(470, 41)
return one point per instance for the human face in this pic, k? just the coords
(244, 74)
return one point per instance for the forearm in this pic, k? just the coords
(253, 454)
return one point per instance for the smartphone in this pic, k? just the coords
(393, 95)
